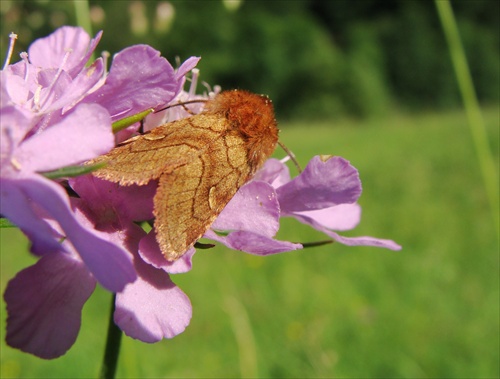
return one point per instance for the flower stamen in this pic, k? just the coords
(24, 57)
(15, 163)
(194, 82)
(56, 77)
(36, 98)
(105, 57)
(12, 42)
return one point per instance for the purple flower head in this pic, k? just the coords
(323, 196)
(37, 137)
(49, 120)
(52, 78)
(44, 301)
(56, 113)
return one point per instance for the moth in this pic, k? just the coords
(200, 162)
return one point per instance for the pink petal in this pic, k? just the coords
(151, 253)
(15, 124)
(49, 52)
(80, 86)
(14, 89)
(110, 263)
(365, 241)
(44, 305)
(18, 209)
(110, 200)
(81, 135)
(26, 72)
(340, 217)
(152, 307)
(322, 184)
(350, 241)
(274, 172)
(186, 66)
(53, 87)
(261, 210)
(253, 243)
(139, 79)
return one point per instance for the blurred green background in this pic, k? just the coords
(368, 80)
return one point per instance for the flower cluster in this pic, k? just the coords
(57, 112)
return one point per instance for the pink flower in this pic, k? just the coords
(323, 196)
(48, 121)
(55, 113)
(44, 301)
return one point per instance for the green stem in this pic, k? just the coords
(471, 105)
(108, 370)
(82, 13)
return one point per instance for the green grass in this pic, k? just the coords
(431, 310)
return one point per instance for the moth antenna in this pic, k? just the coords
(291, 155)
(183, 103)
(188, 110)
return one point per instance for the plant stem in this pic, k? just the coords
(82, 13)
(471, 105)
(108, 369)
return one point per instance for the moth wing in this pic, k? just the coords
(148, 156)
(190, 197)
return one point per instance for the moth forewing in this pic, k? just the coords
(200, 161)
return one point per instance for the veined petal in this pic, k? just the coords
(79, 87)
(49, 52)
(112, 201)
(15, 123)
(322, 184)
(150, 252)
(51, 92)
(274, 172)
(81, 135)
(186, 66)
(44, 305)
(14, 89)
(153, 307)
(111, 265)
(261, 214)
(339, 217)
(17, 207)
(350, 241)
(75, 70)
(139, 78)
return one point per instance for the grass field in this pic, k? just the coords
(429, 311)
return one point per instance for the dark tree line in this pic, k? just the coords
(315, 58)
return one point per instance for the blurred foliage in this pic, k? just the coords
(314, 58)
